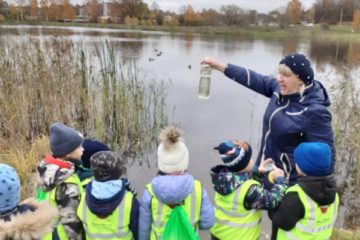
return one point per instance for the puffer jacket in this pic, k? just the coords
(30, 220)
(289, 119)
(172, 190)
(52, 173)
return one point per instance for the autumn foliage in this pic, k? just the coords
(356, 21)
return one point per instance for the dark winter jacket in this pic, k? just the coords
(320, 189)
(104, 207)
(30, 220)
(257, 197)
(288, 120)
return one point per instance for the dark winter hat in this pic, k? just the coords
(9, 188)
(313, 158)
(63, 139)
(300, 66)
(106, 166)
(235, 158)
(91, 147)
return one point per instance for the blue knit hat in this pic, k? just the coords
(300, 66)
(63, 139)
(235, 158)
(313, 158)
(91, 147)
(9, 188)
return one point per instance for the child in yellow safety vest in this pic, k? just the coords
(309, 208)
(108, 210)
(239, 197)
(59, 182)
(173, 186)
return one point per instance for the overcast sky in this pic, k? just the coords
(263, 6)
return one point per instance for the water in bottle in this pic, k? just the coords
(204, 83)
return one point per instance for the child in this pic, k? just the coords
(29, 220)
(172, 187)
(310, 207)
(239, 198)
(90, 147)
(107, 207)
(57, 177)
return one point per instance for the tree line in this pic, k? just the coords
(138, 12)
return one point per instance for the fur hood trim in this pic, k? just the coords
(30, 225)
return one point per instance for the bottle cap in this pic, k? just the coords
(271, 177)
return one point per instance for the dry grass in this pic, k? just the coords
(24, 158)
(342, 234)
(346, 124)
(95, 92)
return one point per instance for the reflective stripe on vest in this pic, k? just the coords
(315, 224)
(113, 227)
(232, 220)
(85, 182)
(51, 196)
(160, 212)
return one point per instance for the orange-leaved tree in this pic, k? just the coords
(356, 21)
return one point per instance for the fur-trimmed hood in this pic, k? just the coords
(30, 225)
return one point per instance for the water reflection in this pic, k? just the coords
(290, 45)
(335, 53)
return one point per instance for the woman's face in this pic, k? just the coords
(288, 83)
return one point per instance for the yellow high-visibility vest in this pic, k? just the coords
(113, 227)
(232, 220)
(161, 212)
(51, 196)
(316, 224)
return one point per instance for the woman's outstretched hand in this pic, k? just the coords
(214, 64)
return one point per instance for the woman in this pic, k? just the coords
(297, 111)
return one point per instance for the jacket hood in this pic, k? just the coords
(31, 224)
(316, 93)
(51, 172)
(321, 189)
(225, 181)
(172, 189)
(104, 207)
(84, 173)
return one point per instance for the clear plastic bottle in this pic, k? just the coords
(204, 83)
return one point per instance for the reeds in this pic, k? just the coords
(346, 124)
(95, 92)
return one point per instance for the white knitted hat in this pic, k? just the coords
(173, 154)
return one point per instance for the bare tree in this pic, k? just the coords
(93, 10)
(134, 8)
(232, 14)
(210, 17)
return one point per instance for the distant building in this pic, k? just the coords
(105, 18)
